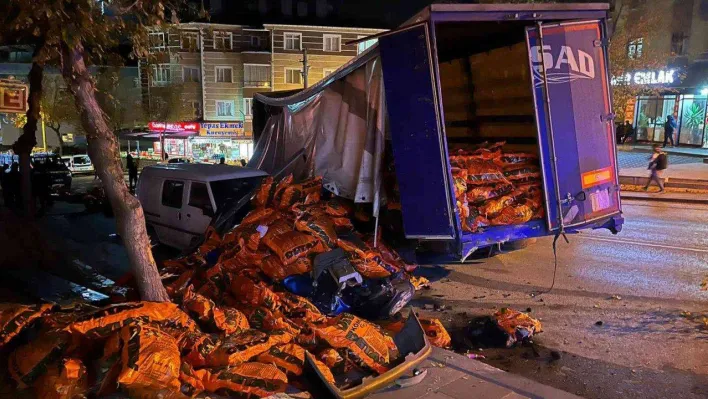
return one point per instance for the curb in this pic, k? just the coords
(648, 150)
(663, 198)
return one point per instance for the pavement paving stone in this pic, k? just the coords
(455, 376)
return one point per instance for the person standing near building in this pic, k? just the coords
(669, 129)
(628, 131)
(132, 171)
(657, 164)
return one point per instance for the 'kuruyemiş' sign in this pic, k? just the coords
(222, 129)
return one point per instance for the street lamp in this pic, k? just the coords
(704, 91)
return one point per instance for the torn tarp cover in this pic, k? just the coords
(340, 123)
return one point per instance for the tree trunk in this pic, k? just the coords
(24, 144)
(103, 149)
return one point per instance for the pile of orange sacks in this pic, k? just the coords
(494, 188)
(230, 329)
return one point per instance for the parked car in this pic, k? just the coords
(59, 174)
(180, 200)
(78, 164)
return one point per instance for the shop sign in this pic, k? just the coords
(13, 98)
(222, 129)
(173, 127)
(660, 77)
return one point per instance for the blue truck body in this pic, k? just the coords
(568, 61)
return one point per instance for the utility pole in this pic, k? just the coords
(305, 67)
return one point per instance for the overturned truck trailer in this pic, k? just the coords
(484, 108)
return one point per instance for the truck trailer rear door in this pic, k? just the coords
(418, 143)
(570, 82)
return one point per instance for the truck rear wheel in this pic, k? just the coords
(518, 244)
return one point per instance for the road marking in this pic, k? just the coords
(644, 244)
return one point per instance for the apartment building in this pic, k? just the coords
(209, 73)
(327, 50)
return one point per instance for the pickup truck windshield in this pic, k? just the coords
(226, 191)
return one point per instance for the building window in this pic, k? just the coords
(225, 108)
(362, 46)
(248, 108)
(223, 74)
(161, 75)
(255, 75)
(332, 43)
(678, 43)
(158, 40)
(256, 42)
(634, 48)
(292, 41)
(194, 108)
(327, 71)
(189, 41)
(301, 9)
(223, 40)
(190, 74)
(293, 76)
(287, 7)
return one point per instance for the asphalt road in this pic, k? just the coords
(644, 347)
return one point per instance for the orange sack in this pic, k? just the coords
(266, 320)
(254, 293)
(241, 347)
(297, 193)
(104, 321)
(367, 345)
(246, 380)
(150, 360)
(291, 358)
(436, 333)
(264, 216)
(31, 360)
(63, 380)
(227, 320)
(266, 192)
(321, 227)
(15, 317)
(293, 245)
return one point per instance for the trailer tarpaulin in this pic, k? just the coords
(340, 123)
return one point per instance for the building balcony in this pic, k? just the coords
(260, 84)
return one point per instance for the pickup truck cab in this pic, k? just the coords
(180, 200)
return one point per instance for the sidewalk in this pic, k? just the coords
(686, 198)
(454, 376)
(686, 151)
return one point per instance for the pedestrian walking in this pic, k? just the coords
(132, 171)
(222, 161)
(669, 129)
(619, 133)
(657, 164)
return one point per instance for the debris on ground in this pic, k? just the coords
(504, 328)
(615, 297)
(246, 311)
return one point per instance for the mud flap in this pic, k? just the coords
(411, 341)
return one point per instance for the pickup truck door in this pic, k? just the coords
(417, 138)
(198, 211)
(568, 62)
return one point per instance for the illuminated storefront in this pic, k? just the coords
(685, 97)
(205, 142)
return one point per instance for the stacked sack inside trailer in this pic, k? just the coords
(496, 188)
(231, 329)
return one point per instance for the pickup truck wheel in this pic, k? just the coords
(519, 244)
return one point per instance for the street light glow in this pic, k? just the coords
(704, 91)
